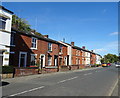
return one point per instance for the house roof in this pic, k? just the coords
(39, 37)
(1, 7)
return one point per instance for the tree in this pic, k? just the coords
(110, 58)
(22, 25)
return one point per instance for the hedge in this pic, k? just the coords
(7, 69)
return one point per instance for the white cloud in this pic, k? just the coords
(100, 50)
(114, 33)
(111, 47)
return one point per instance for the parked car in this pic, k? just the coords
(117, 65)
(108, 64)
(104, 65)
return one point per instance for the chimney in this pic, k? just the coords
(91, 50)
(83, 47)
(72, 43)
(33, 31)
(46, 36)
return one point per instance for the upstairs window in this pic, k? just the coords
(2, 22)
(34, 43)
(60, 48)
(49, 46)
(12, 42)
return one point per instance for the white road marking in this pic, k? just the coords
(87, 74)
(27, 91)
(67, 79)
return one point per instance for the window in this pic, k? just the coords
(2, 22)
(49, 46)
(60, 48)
(33, 59)
(12, 38)
(49, 60)
(34, 42)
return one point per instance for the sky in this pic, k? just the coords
(90, 24)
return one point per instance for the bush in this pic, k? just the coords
(7, 69)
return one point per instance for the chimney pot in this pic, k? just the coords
(72, 43)
(46, 36)
(83, 47)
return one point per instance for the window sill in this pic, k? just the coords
(3, 30)
(34, 48)
(12, 45)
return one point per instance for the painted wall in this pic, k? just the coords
(5, 37)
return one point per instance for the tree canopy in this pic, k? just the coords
(110, 58)
(22, 25)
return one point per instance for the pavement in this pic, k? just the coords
(88, 82)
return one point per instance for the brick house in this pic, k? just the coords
(29, 49)
(92, 58)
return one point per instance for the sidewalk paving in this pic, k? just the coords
(43, 75)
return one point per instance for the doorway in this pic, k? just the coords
(42, 60)
(22, 59)
(55, 60)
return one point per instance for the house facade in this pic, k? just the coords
(68, 54)
(29, 49)
(92, 58)
(5, 33)
(87, 56)
(98, 59)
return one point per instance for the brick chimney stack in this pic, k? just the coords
(46, 36)
(72, 43)
(83, 47)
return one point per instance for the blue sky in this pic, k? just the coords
(90, 24)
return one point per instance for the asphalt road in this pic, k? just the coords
(92, 82)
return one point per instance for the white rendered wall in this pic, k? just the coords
(5, 37)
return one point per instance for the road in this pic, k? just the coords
(92, 82)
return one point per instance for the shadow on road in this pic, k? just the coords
(2, 83)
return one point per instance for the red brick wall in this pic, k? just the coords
(24, 71)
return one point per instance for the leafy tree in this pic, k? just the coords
(22, 25)
(110, 58)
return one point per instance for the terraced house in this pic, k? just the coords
(26, 49)
(29, 50)
(5, 33)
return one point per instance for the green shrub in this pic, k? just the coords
(7, 69)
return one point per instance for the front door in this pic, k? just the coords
(42, 60)
(56, 60)
(22, 59)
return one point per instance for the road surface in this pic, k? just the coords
(92, 82)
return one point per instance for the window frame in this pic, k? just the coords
(33, 43)
(35, 59)
(2, 20)
(49, 60)
(49, 46)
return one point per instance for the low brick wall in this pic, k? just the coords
(74, 67)
(50, 69)
(8, 75)
(64, 68)
(25, 71)
(82, 66)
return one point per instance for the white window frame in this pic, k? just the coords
(50, 46)
(33, 43)
(1, 20)
(35, 57)
(25, 58)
